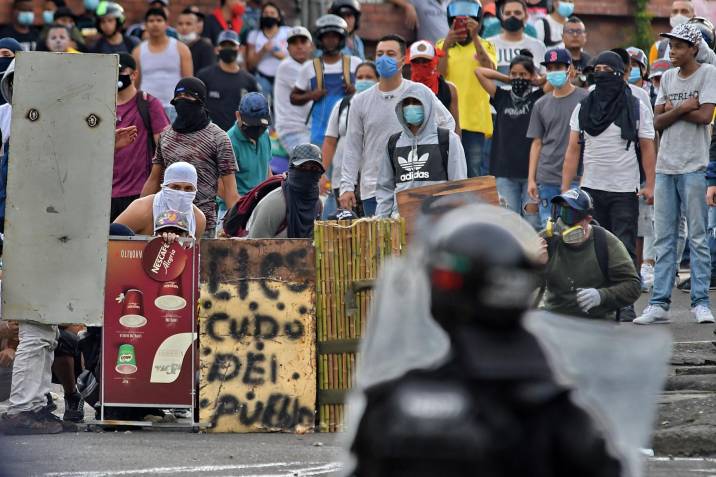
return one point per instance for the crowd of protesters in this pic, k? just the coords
(268, 126)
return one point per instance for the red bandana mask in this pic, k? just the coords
(426, 73)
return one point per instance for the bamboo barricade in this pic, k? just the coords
(348, 257)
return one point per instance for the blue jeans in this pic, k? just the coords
(676, 194)
(476, 153)
(547, 192)
(329, 206)
(712, 239)
(371, 203)
(513, 192)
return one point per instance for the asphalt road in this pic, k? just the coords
(145, 452)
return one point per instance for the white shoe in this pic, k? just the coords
(702, 314)
(652, 315)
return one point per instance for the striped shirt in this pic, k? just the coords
(209, 151)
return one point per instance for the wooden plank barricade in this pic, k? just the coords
(348, 256)
(257, 335)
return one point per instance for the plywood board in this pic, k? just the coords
(257, 335)
(411, 201)
(59, 187)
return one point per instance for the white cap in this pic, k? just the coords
(299, 31)
(422, 49)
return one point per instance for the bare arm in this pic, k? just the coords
(486, 78)
(200, 222)
(535, 149)
(152, 185)
(665, 114)
(328, 150)
(648, 162)
(230, 193)
(454, 108)
(136, 55)
(571, 161)
(135, 216)
(253, 56)
(186, 65)
(480, 53)
(411, 15)
(703, 115)
(300, 97)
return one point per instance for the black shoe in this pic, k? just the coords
(74, 408)
(27, 423)
(627, 314)
(49, 417)
(50, 403)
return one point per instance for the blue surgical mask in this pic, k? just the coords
(25, 18)
(364, 84)
(414, 114)
(48, 17)
(635, 75)
(387, 66)
(565, 10)
(557, 78)
(91, 4)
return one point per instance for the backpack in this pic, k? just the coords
(548, 42)
(237, 217)
(318, 68)
(443, 143)
(143, 108)
(637, 145)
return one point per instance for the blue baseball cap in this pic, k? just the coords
(228, 35)
(557, 55)
(254, 110)
(577, 199)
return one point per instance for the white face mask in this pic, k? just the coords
(179, 200)
(188, 38)
(677, 20)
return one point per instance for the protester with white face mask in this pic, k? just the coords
(681, 12)
(202, 51)
(176, 195)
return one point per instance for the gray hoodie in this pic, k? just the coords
(418, 161)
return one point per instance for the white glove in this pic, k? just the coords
(588, 298)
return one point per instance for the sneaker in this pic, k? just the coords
(74, 408)
(702, 314)
(27, 423)
(647, 276)
(50, 402)
(627, 314)
(48, 416)
(653, 315)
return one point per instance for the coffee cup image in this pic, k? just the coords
(133, 309)
(126, 360)
(169, 297)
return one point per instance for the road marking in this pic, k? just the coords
(315, 468)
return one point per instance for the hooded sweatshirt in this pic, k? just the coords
(417, 160)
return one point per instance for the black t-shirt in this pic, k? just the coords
(582, 62)
(27, 40)
(223, 93)
(510, 155)
(202, 54)
(126, 46)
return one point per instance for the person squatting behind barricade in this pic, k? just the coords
(176, 195)
(588, 271)
(493, 393)
(421, 154)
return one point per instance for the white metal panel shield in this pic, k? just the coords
(59, 187)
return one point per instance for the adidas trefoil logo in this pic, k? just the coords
(413, 164)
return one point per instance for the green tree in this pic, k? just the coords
(643, 35)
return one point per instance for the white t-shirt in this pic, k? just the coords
(555, 28)
(308, 72)
(269, 64)
(506, 50)
(337, 127)
(608, 164)
(289, 118)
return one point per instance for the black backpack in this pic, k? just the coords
(143, 108)
(443, 144)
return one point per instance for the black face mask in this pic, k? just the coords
(123, 82)
(512, 24)
(191, 116)
(519, 86)
(228, 55)
(253, 132)
(301, 193)
(606, 80)
(268, 22)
